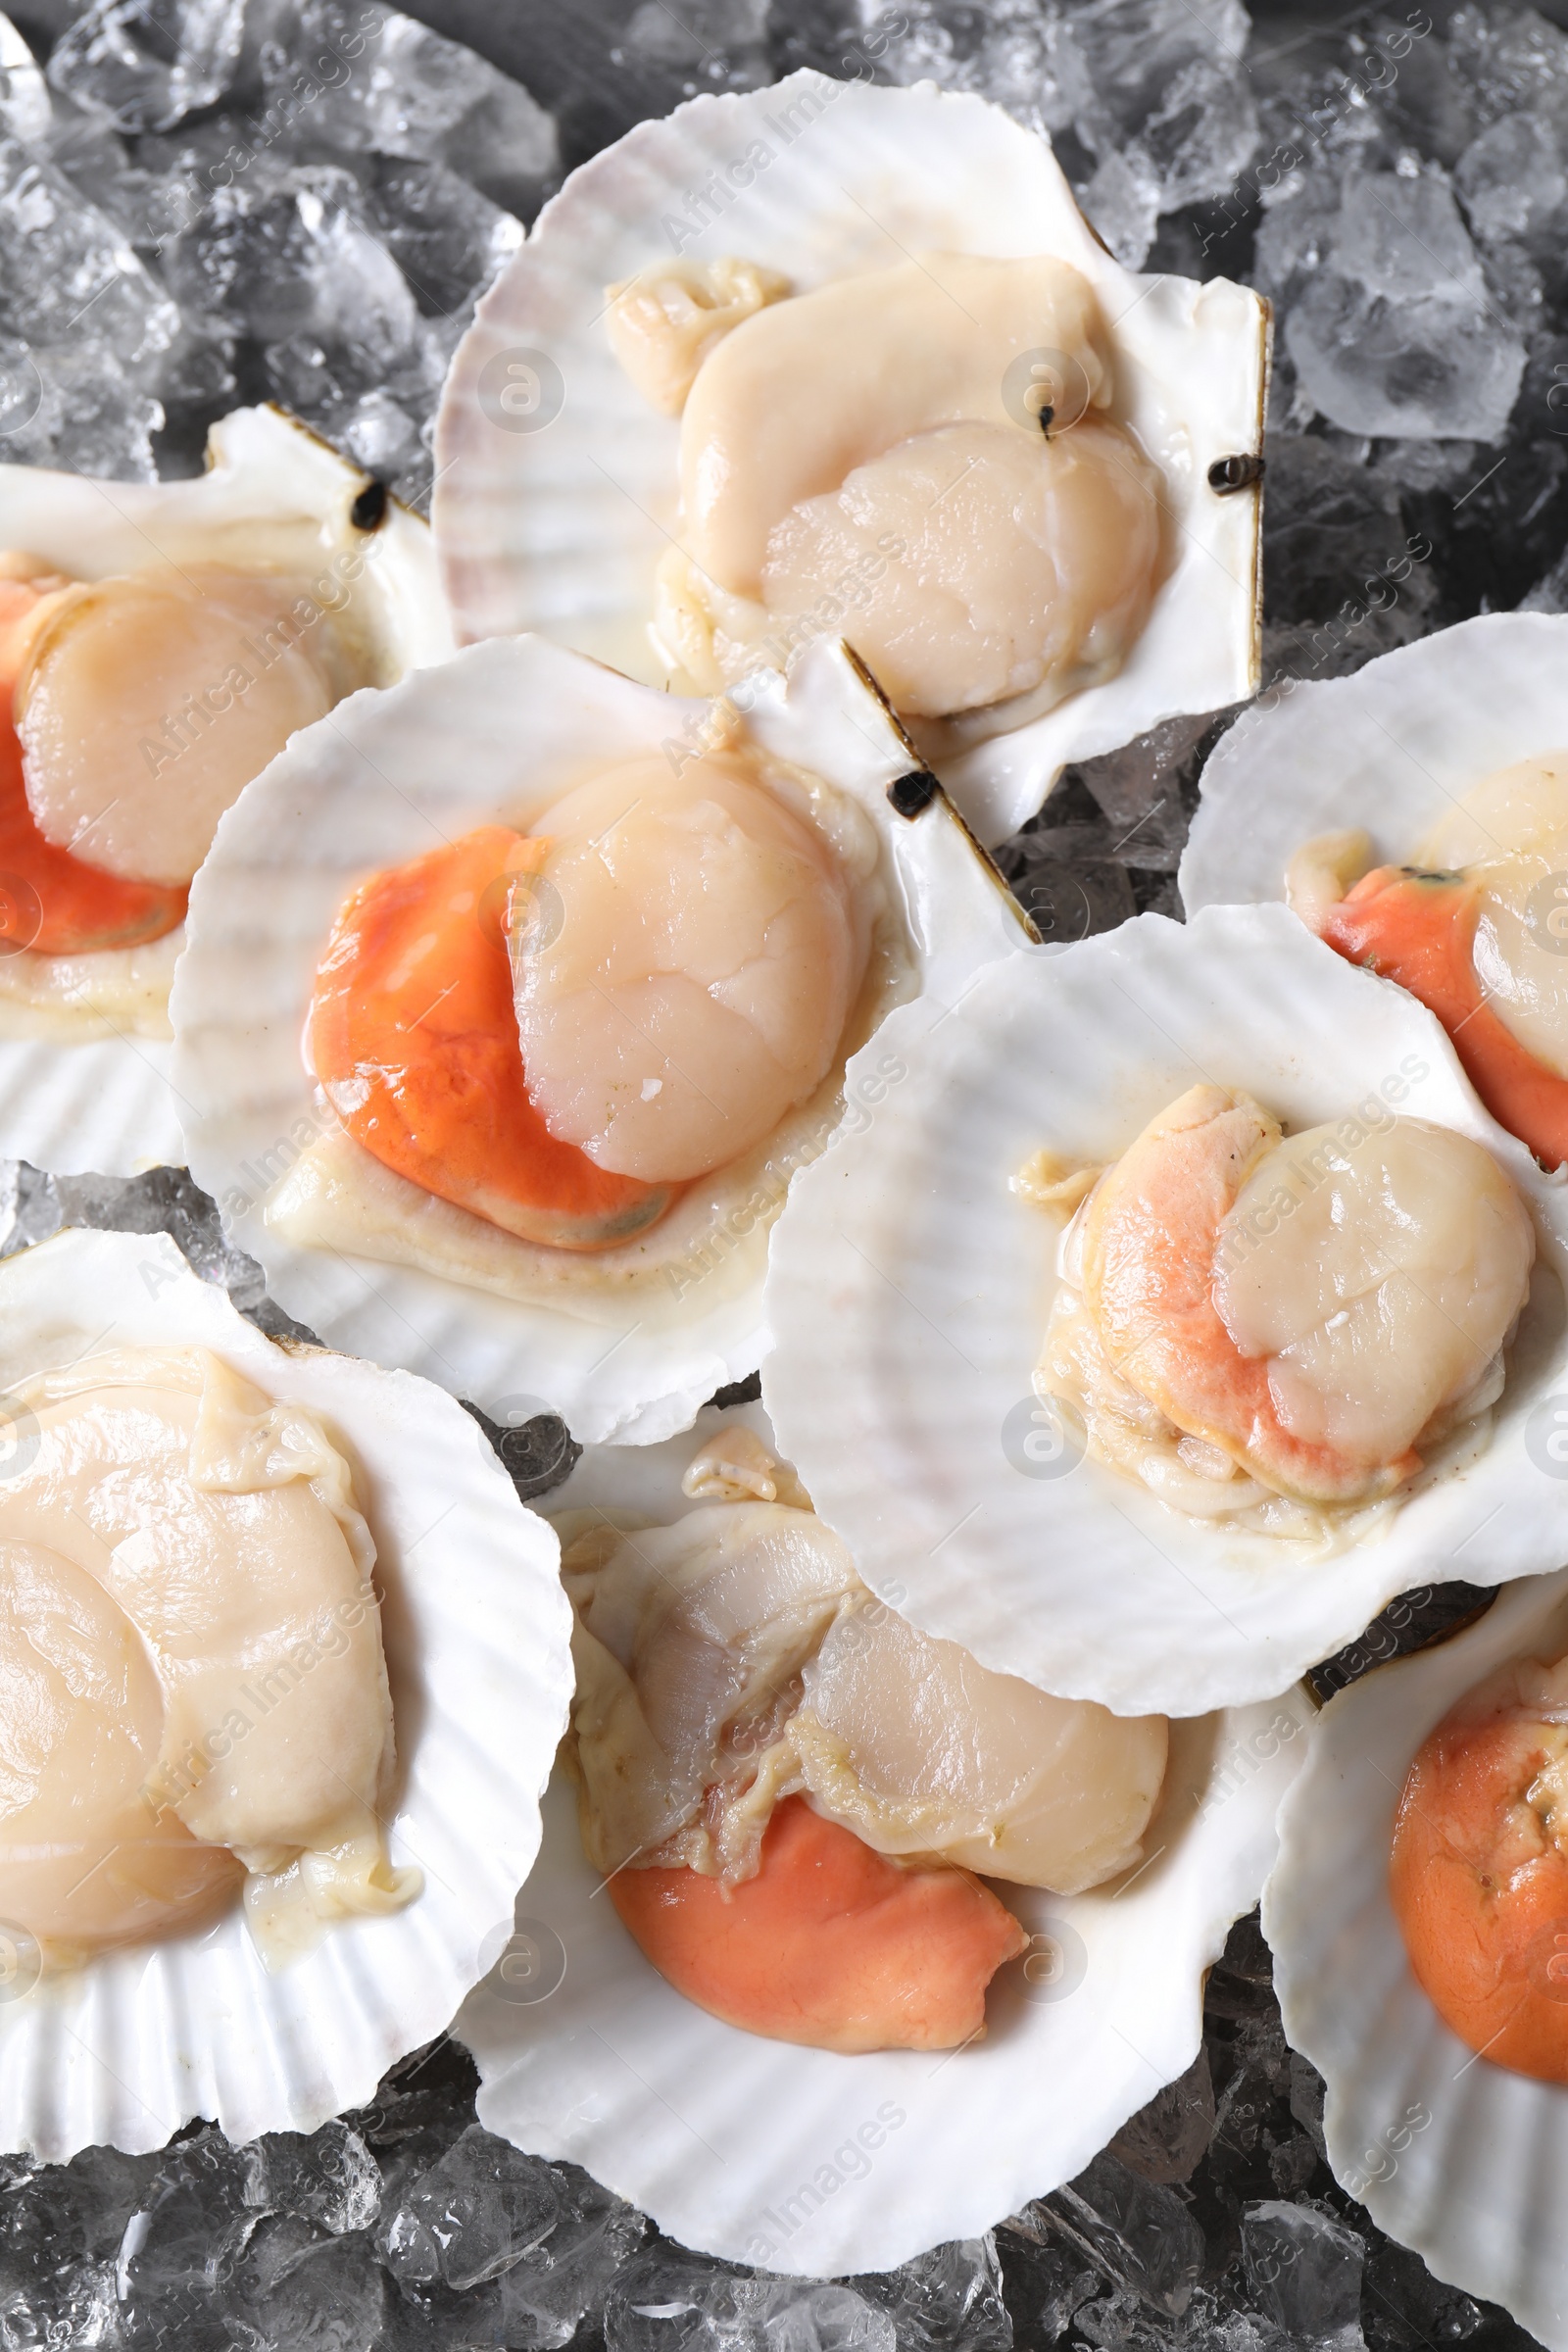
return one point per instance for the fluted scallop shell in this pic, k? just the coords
(752, 2149)
(1453, 2156)
(504, 727)
(1389, 750)
(935, 1280)
(277, 494)
(558, 529)
(476, 1634)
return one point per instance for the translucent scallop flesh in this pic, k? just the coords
(148, 701)
(734, 1659)
(192, 1692)
(920, 458)
(685, 965)
(1309, 1308)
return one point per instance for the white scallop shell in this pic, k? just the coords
(1457, 2158)
(273, 487)
(476, 1632)
(746, 2148)
(935, 1280)
(1387, 750)
(558, 529)
(505, 726)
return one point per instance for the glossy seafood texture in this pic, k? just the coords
(1282, 1327)
(1476, 927)
(1479, 1874)
(968, 514)
(752, 1728)
(141, 707)
(559, 1031)
(193, 1699)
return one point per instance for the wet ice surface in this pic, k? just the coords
(182, 228)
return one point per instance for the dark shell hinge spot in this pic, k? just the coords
(1234, 474)
(912, 793)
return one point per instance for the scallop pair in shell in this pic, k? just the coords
(303, 1787)
(795, 361)
(158, 642)
(587, 2052)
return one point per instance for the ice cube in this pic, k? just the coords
(1394, 333)
(194, 2219)
(668, 2300)
(1123, 202)
(1140, 792)
(1167, 2140)
(296, 258)
(67, 273)
(567, 2275)
(948, 2300)
(333, 2297)
(1306, 2100)
(472, 2215)
(1046, 2272)
(1506, 55)
(1514, 181)
(1344, 580)
(328, 2177)
(808, 2315)
(1304, 2269)
(24, 107)
(390, 86)
(144, 64)
(448, 240)
(1140, 2232)
(716, 40)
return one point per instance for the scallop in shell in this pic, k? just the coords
(626, 1340)
(196, 623)
(586, 2053)
(121, 2042)
(1416, 817)
(558, 478)
(1068, 1401)
(1452, 2155)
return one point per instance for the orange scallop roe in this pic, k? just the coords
(1419, 929)
(1478, 1881)
(830, 1944)
(50, 900)
(413, 1036)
